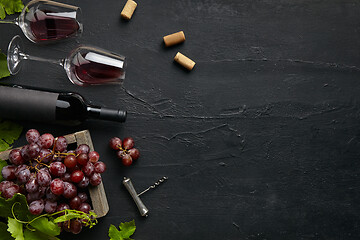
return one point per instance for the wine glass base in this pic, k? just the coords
(14, 55)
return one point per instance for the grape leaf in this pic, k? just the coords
(36, 235)
(126, 230)
(16, 229)
(4, 71)
(20, 208)
(2, 164)
(114, 234)
(10, 7)
(5, 235)
(45, 226)
(2, 12)
(9, 132)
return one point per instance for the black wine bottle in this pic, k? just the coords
(23, 103)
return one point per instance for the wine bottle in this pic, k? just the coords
(23, 103)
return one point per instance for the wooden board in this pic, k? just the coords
(97, 194)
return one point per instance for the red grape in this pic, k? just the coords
(84, 207)
(95, 179)
(82, 148)
(36, 207)
(31, 185)
(134, 153)
(19, 168)
(128, 143)
(84, 183)
(83, 196)
(88, 169)
(57, 186)
(60, 144)
(82, 159)
(70, 161)
(46, 140)
(15, 157)
(75, 202)
(115, 143)
(5, 184)
(10, 191)
(75, 226)
(93, 156)
(62, 206)
(70, 190)
(45, 155)
(126, 160)
(99, 167)
(23, 176)
(8, 172)
(24, 152)
(50, 206)
(33, 150)
(57, 169)
(77, 176)
(43, 177)
(32, 136)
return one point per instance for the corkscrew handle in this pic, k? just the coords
(140, 205)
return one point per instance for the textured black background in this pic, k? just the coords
(260, 141)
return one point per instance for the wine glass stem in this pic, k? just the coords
(40, 59)
(12, 21)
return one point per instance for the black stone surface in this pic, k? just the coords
(260, 141)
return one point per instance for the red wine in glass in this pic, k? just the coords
(47, 21)
(48, 25)
(95, 68)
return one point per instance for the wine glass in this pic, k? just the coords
(47, 21)
(85, 65)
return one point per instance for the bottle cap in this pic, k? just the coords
(112, 114)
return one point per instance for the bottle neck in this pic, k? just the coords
(102, 113)
(93, 112)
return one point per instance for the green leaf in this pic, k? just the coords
(5, 235)
(114, 234)
(45, 226)
(20, 208)
(9, 132)
(36, 235)
(2, 164)
(11, 6)
(4, 71)
(16, 229)
(2, 12)
(126, 230)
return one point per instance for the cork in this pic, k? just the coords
(184, 61)
(174, 38)
(128, 9)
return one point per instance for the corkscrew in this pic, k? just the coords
(136, 197)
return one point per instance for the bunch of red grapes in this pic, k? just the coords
(126, 151)
(51, 177)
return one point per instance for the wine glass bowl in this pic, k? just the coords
(85, 65)
(88, 65)
(47, 21)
